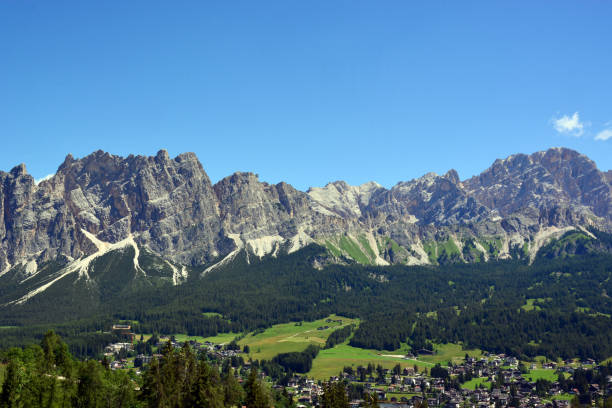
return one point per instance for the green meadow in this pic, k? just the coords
(563, 397)
(330, 362)
(471, 385)
(541, 373)
(450, 352)
(296, 336)
(288, 337)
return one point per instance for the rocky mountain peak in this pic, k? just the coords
(162, 156)
(19, 170)
(342, 199)
(169, 206)
(453, 176)
(551, 178)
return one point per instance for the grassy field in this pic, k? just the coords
(288, 337)
(528, 306)
(536, 374)
(212, 314)
(471, 385)
(280, 338)
(449, 352)
(330, 362)
(563, 397)
(221, 338)
(2, 369)
(183, 338)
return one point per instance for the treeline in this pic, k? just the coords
(84, 338)
(384, 331)
(297, 362)
(338, 336)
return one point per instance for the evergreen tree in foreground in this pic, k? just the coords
(256, 394)
(334, 395)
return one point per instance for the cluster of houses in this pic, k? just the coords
(412, 389)
(304, 390)
(116, 352)
(407, 388)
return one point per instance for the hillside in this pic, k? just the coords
(556, 307)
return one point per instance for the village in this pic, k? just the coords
(489, 381)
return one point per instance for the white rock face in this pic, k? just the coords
(6, 268)
(300, 240)
(265, 245)
(372, 242)
(178, 275)
(342, 199)
(544, 236)
(422, 258)
(81, 266)
(31, 267)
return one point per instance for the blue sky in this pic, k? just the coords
(306, 91)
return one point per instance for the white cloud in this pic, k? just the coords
(47, 177)
(604, 134)
(569, 125)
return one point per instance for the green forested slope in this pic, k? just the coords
(491, 306)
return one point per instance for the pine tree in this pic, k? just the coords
(12, 386)
(90, 390)
(334, 396)
(188, 372)
(370, 400)
(256, 395)
(206, 391)
(153, 389)
(233, 392)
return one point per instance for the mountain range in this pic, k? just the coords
(173, 221)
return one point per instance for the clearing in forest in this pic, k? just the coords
(295, 336)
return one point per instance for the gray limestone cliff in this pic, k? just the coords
(171, 208)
